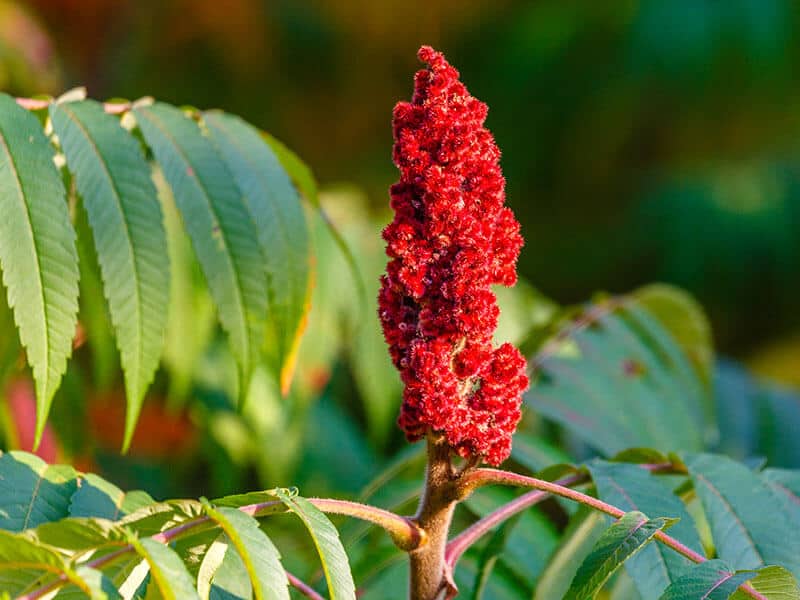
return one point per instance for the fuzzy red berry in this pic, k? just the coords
(451, 239)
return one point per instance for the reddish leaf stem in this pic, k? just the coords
(459, 544)
(303, 587)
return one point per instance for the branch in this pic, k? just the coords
(405, 532)
(481, 477)
(428, 573)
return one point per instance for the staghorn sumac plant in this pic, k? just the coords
(624, 371)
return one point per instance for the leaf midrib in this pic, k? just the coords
(717, 584)
(128, 240)
(228, 256)
(33, 500)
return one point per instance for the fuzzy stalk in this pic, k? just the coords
(429, 577)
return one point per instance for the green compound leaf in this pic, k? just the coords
(259, 555)
(331, 552)
(113, 179)
(168, 574)
(711, 580)
(219, 224)
(631, 487)
(619, 542)
(280, 224)
(37, 251)
(33, 492)
(748, 520)
(97, 497)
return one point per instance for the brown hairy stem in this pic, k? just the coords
(429, 577)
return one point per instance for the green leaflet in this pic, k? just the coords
(168, 574)
(97, 497)
(711, 580)
(747, 519)
(37, 251)
(331, 552)
(114, 182)
(259, 555)
(619, 542)
(221, 229)
(280, 225)
(33, 492)
(631, 487)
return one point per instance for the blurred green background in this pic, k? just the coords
(649, 140)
